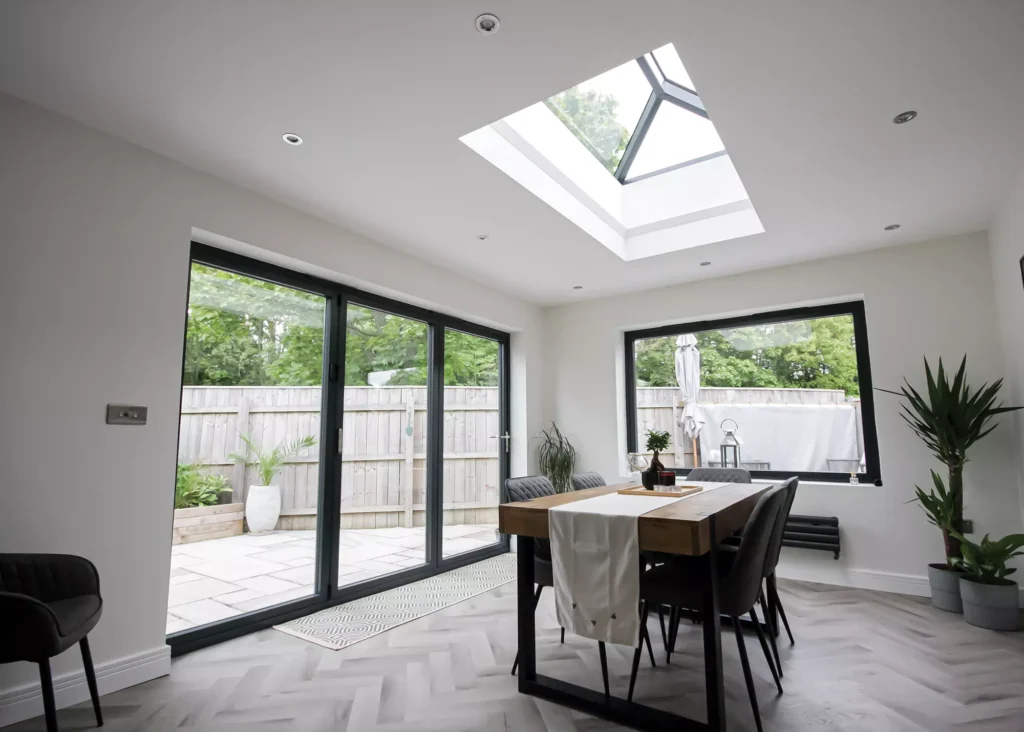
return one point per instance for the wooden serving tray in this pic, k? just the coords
(667, 491)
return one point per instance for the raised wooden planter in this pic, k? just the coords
(207, 522)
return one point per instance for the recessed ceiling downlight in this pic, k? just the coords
(892, 227)
(487, 24)
(482, 237)
(705, 264)
(903, 117)
(291, 138)
(577, 287)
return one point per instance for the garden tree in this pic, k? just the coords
(814, 354)
(591, 117)
(247, 332)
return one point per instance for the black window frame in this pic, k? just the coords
(853, 308)
(327, 593)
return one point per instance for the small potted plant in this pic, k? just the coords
(944, 578)
(656, 442)
(557, 458)
(263, 502)
(990, 599)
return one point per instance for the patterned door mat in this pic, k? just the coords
(340, 626)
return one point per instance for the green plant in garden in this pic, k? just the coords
(986, 562)
(192, 488)
(269, 462)
(949, 418)
(657, 441)
(557, 458)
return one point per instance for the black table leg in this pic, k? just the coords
(527, 634)
(713, 640)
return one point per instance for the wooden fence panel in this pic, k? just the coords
(383, 474)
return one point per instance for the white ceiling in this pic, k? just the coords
(802, 93)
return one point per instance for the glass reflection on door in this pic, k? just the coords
(247, 485)
(474, 439)
(384, 445)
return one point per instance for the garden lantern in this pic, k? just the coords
(730, 447)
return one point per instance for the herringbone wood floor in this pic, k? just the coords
(862, 661)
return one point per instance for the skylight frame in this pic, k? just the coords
(663, 89)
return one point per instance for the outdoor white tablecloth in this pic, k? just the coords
(595, 558)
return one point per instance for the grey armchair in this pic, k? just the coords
(48, 603)
(581, 481)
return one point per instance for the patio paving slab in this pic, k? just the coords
(221, 578)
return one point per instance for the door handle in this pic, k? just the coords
(506, 437)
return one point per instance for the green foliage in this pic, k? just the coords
(557, 458)
(192, 488)
(247, 332)
(939, 504)
(949, 418)
(269, 462)
(590, 116)
(986, 562)
(377, 341)
(657, 441)
(810, 354)
(952, 417)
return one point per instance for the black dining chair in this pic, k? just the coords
(48, 603)
(719, 475)
(581, 481)
(680, 583)
(526, 489)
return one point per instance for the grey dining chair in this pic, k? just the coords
(719, 475)
(681, 582)
(587, 480)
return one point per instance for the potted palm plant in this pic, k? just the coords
(949, 418)
(937, 505)
(263, 502)
(990, 599)
(557, 458)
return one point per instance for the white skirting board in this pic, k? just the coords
(863, 579)
(26, 701)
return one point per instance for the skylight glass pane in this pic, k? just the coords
(675, 136)
(672, 66)
(603, 112)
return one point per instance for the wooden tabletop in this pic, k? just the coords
(682, 527)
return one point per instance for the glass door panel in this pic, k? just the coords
(475, 437)
(384, 445)
(247, 489)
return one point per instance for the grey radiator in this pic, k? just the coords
(812, 532)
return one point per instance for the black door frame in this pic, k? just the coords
(327, 593)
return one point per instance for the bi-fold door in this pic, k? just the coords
(333, 444)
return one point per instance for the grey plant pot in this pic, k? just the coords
(990, 606)
(945, 584)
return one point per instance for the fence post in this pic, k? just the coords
(242, 428)
(410, 456)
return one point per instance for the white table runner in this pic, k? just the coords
(595, 557)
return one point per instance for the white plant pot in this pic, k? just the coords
(262, 508)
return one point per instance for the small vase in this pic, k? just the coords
(262, 508)
(653, 475)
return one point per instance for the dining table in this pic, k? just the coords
(692, 526)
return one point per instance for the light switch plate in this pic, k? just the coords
(968, 526)
(126, 414)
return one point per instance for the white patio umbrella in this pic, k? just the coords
(688, 377)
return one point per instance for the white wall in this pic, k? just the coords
(932, 299)
(1006, 243)
(93, 284)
